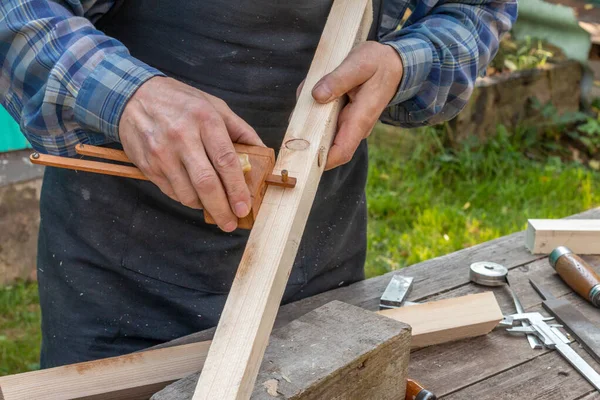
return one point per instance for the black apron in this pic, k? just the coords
(121, 266)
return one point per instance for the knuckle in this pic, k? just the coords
(226, 159)
(206, 181)
(154, 148)
(346, 156)
(201, 110)
(189, 201)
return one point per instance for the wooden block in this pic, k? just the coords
(449, 319)
(337, 351)
(262, 160)
(130, 377)
(582, 236)
(247, 319)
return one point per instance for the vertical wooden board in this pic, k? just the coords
(243, 331)
(132, 376)
(337, 351)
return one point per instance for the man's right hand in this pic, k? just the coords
(182, 139)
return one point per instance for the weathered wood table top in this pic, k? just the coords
(496, 366)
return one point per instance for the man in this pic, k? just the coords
(124, 264)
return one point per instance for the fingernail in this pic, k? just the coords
(241, 209)
(322, 92)
(230, 226)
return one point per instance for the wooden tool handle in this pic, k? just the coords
(414, 391)
(577, 274)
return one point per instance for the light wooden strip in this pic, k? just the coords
(133, 376)
(88, 166)
(102, 152)
(582, 236)
(243, 331)
(119, 155)
(450, 319)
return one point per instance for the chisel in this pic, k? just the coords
(576, 273)
(586, 333)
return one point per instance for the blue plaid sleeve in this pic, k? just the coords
(64, 81)
(444, 46)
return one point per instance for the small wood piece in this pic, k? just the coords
(262, 160)
(582, 236)
(337, 351)
(278, 180)
(247, 319)
(130, 377)
(449, 319)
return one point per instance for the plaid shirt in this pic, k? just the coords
(66, 82)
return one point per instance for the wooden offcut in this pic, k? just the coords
(582, 236)
(247, 319)
(337, 351)
(449, 319)
(130, 377)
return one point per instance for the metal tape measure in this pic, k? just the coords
(488, 273)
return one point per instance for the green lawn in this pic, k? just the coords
(19, 328)
(424, 201)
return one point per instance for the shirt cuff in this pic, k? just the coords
(105, 91)
(417, 59)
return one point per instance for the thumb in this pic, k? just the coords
(352, 72)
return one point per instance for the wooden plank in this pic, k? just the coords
(581, 236)
(247, 319)
(450, 319)
(440, 274)
(336, 351)
(129, 377)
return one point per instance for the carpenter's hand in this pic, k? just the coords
(370, 76)
(181, 138)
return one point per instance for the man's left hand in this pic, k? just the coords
(370, 76)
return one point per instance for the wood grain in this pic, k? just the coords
(581, 236)
(450, 319)
(337, 351)
(574, 271)
(129, 377)
(247, 319)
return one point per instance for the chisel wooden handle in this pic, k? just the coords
(414, 391)
(577, 274)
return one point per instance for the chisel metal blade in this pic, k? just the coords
(585, 332)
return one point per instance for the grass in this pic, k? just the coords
(19, 328)
(425, 200)
(433, 200)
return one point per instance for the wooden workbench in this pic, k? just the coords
(496, 366)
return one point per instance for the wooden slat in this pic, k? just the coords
(450, 319)
(251, 307)
(96, 167)
(581, 236)
(129, 377)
